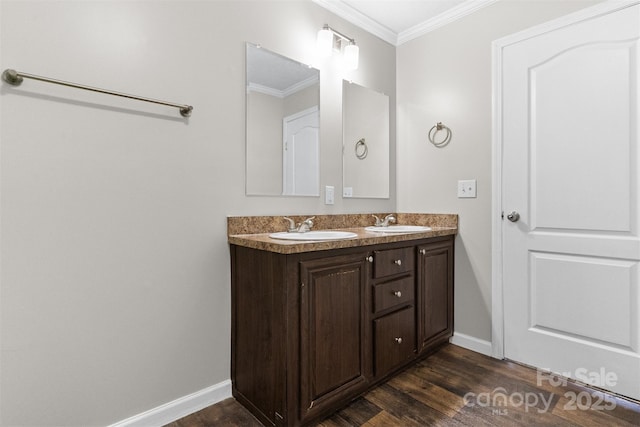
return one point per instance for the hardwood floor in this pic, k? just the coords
(458, 387)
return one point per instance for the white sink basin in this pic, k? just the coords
(398, 229)
(314, 235)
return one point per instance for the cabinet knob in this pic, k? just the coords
(399, 340)
(398, 262)
(370, 258)
(398, 294)
(423, 251)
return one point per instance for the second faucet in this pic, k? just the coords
(385, 222)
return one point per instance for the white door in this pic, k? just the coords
(301, 154)
(569, 139)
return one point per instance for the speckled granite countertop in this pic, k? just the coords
(253, 232)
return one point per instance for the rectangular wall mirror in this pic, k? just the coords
(365, 139)
(283, 125)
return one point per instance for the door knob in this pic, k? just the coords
(513, 216)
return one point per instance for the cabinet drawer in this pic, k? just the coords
(390, 294)
(394, 340)
(393, 261)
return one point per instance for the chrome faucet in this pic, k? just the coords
(302, 227)
(385, 222)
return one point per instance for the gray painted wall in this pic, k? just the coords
(114, 268)
(115, 289)
(445, 76)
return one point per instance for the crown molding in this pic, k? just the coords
(266, 90)
(296, 87)
(348, 13)
(444, 18)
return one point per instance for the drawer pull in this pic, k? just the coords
(423, 251)
(398, 262)
(370, 258)
(398, 294)
(399, 340)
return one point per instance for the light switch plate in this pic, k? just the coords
(467, 189)
(329, 192)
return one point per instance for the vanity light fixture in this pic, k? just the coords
(328, 38)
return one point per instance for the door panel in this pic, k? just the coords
(335, 329)
(567, 151)
(333, 344)
(435, 293)
(301, 153)
(558, 280)
(570, 168)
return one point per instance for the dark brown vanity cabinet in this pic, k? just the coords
(311, 331)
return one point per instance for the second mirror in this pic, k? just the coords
(365, 138)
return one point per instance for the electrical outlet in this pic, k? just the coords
(347, 192)
(329, 192)
(467, 189)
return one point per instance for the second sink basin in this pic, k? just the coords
(314, 235)
(399, 229)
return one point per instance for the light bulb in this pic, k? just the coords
(351, 54)
(325, 42)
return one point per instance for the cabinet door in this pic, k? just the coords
(333, 315)
(435, 293)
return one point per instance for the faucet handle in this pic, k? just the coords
(292, 224)
(309, 221)
(378, 221)
(390, 219)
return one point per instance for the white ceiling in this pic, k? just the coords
(398, 21)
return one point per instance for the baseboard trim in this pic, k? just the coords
(472, 343)
(186, 405)
(181, 407)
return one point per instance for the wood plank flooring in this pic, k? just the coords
(458, 387)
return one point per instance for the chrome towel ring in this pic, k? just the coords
(434, 130)
(361, 149)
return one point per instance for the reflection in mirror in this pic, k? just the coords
(365, 139)
(283, 123)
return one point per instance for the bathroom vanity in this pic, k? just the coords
(316, 324)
